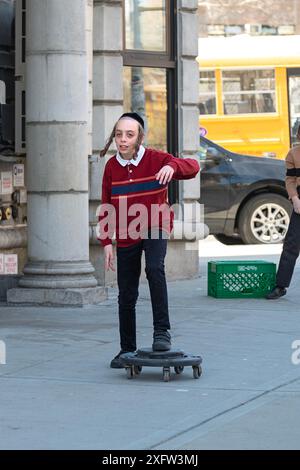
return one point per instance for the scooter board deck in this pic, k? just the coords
(135, 361)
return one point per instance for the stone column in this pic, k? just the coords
(107, 108)
(58, 271)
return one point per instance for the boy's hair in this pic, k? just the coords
(109, 141)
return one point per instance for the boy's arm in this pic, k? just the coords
(184, 168)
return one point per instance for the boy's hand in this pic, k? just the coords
(165, 174)
(109, 258)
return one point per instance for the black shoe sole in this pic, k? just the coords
(115, 362)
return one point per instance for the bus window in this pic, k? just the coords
(249, 91)
(207, 92)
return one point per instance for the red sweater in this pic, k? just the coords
(125, 187)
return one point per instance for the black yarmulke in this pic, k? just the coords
(136, 117)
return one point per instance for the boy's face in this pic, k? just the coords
(126, 136)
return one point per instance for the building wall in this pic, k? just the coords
(108, 106)
(104, 38)
(267, 13)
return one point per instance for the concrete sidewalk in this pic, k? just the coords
(58, 392)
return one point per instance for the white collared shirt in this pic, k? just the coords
(140, 155)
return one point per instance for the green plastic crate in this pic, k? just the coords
(240, 279)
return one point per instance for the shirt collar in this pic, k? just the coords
(140, 155)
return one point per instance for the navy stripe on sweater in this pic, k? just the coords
(135, 187)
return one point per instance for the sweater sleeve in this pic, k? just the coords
(184, 168)
(290, 179)
(105, 218)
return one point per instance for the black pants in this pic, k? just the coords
(290, 252)
(129, 270)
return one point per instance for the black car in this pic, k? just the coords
(244, 196)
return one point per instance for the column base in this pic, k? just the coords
(56, 297)
(58, 275)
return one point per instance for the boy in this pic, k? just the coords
(136, 180)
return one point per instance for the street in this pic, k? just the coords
(58, 392)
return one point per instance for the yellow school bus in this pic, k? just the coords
(249, 92)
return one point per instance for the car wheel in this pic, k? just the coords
(265, 219)
(227, 240)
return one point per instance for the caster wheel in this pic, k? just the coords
(166, 374)
(129, 372)
(178, 369)
(197, 371)
(137, 370)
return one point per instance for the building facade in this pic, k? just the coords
(77, 65)
(255, 17)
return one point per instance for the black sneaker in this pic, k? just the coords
(116, 363)
(161, 340)
(276, 293)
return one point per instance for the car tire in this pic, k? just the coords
(265, 219)
(227, 240)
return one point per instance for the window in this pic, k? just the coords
(149, 33)
(145, 91)
(207, 93)
(249, 91)
(150, 75)
(145, 25)
(266, 29)
(208, 149)
(202, 150)
(233, 29)
(215, 30)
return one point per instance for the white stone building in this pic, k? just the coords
(69, 69)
